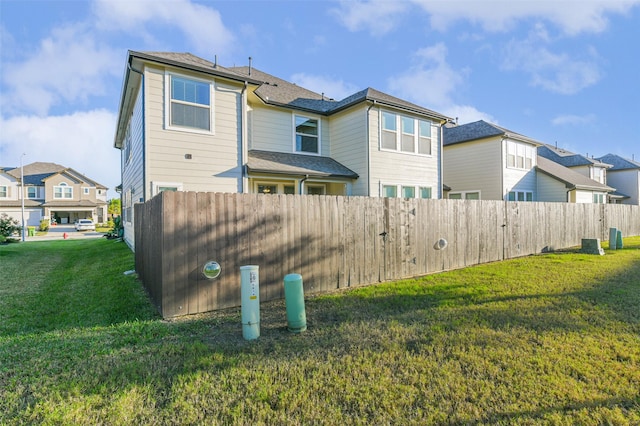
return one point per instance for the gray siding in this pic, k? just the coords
(399, 168)
(626, 182)
(215, 163)
(475, 166)
(349, 145)
(550, 189)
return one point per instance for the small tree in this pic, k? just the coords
(8, 226)
(114, 207)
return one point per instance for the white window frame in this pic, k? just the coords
(295, 133)
(517, 193)
(63, 186)
(522, 155)
(168, 76)
(463, 195)
(35, 192)
(400, 190)
(158, 187)
(86, 190)
(399, 133)
(322, 186)
(599, 198)
(4, 189)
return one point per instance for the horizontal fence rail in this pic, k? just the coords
(337, 242)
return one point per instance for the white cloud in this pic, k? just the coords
(332, 88)
(68, 66)
(82, 141)
(570, 16)
(433, 83)
(200, 24)
(555, 72)
(573, 120)
(377, 16)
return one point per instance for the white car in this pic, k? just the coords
(85, 225)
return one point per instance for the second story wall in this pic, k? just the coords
(395, 165)
(475, 166)
(626, 182)
(199, 160)
(9, 188)
(349, 145)
(273, 129)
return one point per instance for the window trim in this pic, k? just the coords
(63, 185)
(295, 134)
(155, 186)
(279, 184)
(168, 101)
(399, 133)
(463, 195)
(399, 190)
(516, 193)
(528, 158)
(35, 194)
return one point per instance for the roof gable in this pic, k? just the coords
(568, 158)
(569, 177)
(620, 163)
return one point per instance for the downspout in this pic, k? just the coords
(301, 184)
(369, 151)
(441, 161)
(244, 154)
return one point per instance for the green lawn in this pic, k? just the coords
(548, 339)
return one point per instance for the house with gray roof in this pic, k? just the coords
(557, 183)
(188, 124)
(583, 164)
(624, 175)
(51, 191)
(489, 162)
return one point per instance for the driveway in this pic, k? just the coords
(58, 233)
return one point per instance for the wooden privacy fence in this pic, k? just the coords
(337, 242)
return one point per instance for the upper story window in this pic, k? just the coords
(126, 151)
(520, 155)
(307, 136)
(4, 191)
(85, 191)
(189, 103)
(32, 192)
(405, 134)
(63, 191)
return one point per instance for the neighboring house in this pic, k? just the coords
(51, 191)
(589, 167)
(187, 124)
(625, 177)
(557, 183)
(488, 162)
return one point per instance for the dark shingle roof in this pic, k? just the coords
(568, 158)
(192, 62)
(480, 130)
(569, 177)
(297, 164)
(277, 91)
(619, 163)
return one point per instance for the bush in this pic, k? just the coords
(44, 225)
(9, 225)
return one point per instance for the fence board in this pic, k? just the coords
(336, 242)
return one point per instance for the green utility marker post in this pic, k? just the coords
(294, 300)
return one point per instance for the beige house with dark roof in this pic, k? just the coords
(188, 124)
(51, 191)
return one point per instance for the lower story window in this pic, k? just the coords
(465, 195)
(599, 198)
(406, 191)
(520, 196)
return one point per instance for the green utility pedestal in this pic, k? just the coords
(294, 300)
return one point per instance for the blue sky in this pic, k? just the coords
(559, 71)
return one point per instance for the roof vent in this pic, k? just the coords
(249, 65)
